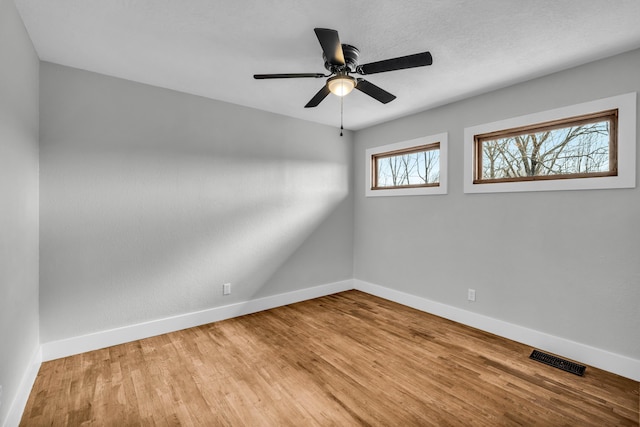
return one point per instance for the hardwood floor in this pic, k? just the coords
(345, 359)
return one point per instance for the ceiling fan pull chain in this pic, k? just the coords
(341, 113)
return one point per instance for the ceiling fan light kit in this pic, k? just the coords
(341, 60)
(341, 84)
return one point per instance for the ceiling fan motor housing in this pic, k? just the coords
(351, 57)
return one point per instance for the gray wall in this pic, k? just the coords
(565, 262)
(18, 203)
(152, 199)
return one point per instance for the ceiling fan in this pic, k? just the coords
(341, 60)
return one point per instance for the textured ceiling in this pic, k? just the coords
(213, 47)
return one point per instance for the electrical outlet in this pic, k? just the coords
(226, 289)
(471, 294)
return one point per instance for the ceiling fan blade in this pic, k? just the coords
(400, 63)
(374, 91)
(287, 76)
(318, 97)
(331, 46)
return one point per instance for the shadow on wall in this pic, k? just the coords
(134, 235)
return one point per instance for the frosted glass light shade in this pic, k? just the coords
(341, 85)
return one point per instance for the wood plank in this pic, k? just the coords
(345, 359)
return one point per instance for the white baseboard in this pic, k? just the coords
(24, 390)
(611, 362)
(76, 345)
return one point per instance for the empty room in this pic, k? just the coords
(361, 213)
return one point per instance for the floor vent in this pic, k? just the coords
(557, 362)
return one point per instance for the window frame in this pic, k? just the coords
(407, 147)
(601, 116)
(411, 150)
(624, 137)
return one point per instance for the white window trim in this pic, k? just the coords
(442, 138)
(626, 105)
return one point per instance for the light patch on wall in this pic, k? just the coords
(137, 231)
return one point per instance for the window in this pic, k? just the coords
(408, 168)
(578, 147)
(585, 146)
(415, 167)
